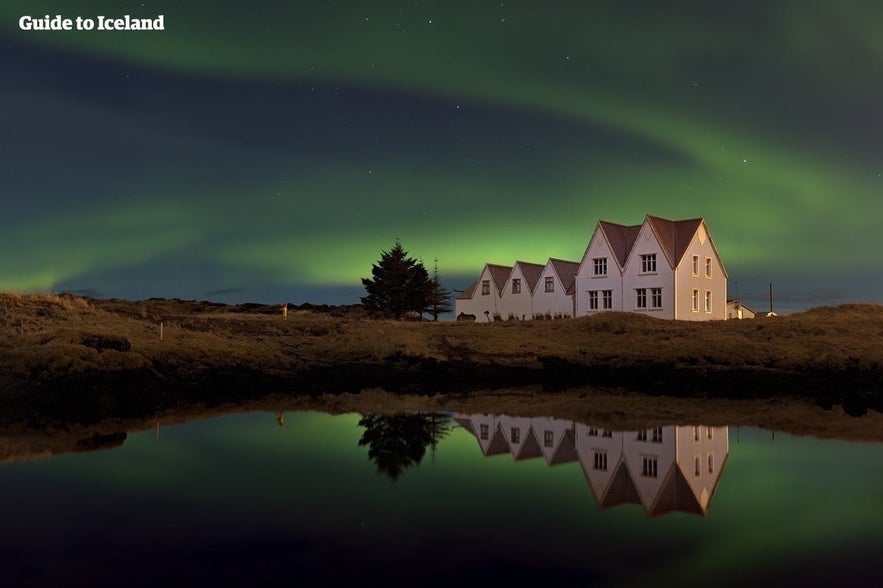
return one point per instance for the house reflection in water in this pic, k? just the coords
(663, 469)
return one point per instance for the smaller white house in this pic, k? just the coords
(553, 297)
(517, 297)
(483, 298)
(737, 310)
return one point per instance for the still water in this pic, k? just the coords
(455, 499)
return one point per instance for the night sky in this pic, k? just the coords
(267, 151)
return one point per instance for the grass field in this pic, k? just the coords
(48, 342)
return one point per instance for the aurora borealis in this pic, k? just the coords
(268, 150)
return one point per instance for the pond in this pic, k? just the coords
(308, 498)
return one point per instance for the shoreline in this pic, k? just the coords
(72, 349)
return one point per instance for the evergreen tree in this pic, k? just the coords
(439, 297)
(398, 284)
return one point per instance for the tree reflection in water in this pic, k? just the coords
(398, 442)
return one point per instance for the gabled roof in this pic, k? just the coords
(498, 443)
(566, 451)
(621, 489)
(499, 273)
(675, 494)
(468, 292)
(530, 448)
(621, 238)
(531, 273)
(674, 236)
(566, 271)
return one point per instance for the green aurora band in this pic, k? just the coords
(759, 118)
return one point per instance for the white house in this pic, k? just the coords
(554, 294)
(662, 268)
(517, 297)
(663, 469)
(482, 299)
(668, 269)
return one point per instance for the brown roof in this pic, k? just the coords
(621, 489)
(468, 292)
(531, 272)
(621, 239)
(674, 236)
(566, 451)
(500, 273)
(566, 271)
(675, 494)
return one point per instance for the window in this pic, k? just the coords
(710, 463)
(707, 267)
(695, 434)
(648, 263)
(593, 432)
(484, 432)
(695, 270)
(550, 284)
(607, 299)
(695, 300)
(600, 266)
(708, 301)
(709, 433)
(593, 300)
(641, 301)
(516, 435)
(516, 286)
(656, 297)
(649, 467)
(607, 433)
(548, 438)
(695, 465)
(657, 435)
(599, 461)
(642, 435)
(485, 287)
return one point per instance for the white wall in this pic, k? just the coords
(633, 278)
(701, 246)
(519, 305)
(554, 303)
(586, 280)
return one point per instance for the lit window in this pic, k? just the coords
(657, 435)
(599, 461)
(516, 286)
(600, 264)
(649, 467)
(695, 265)
(607, 299)
(710, 463)
(593, 300)
(648, 263)
(485, 287)
(708, 301)
(707, 267)
(516, 435)
(550, 284)
(642, 435)
(641, 301)
(548, 438)
(656, 297)
(484, 432)
(695, 300)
